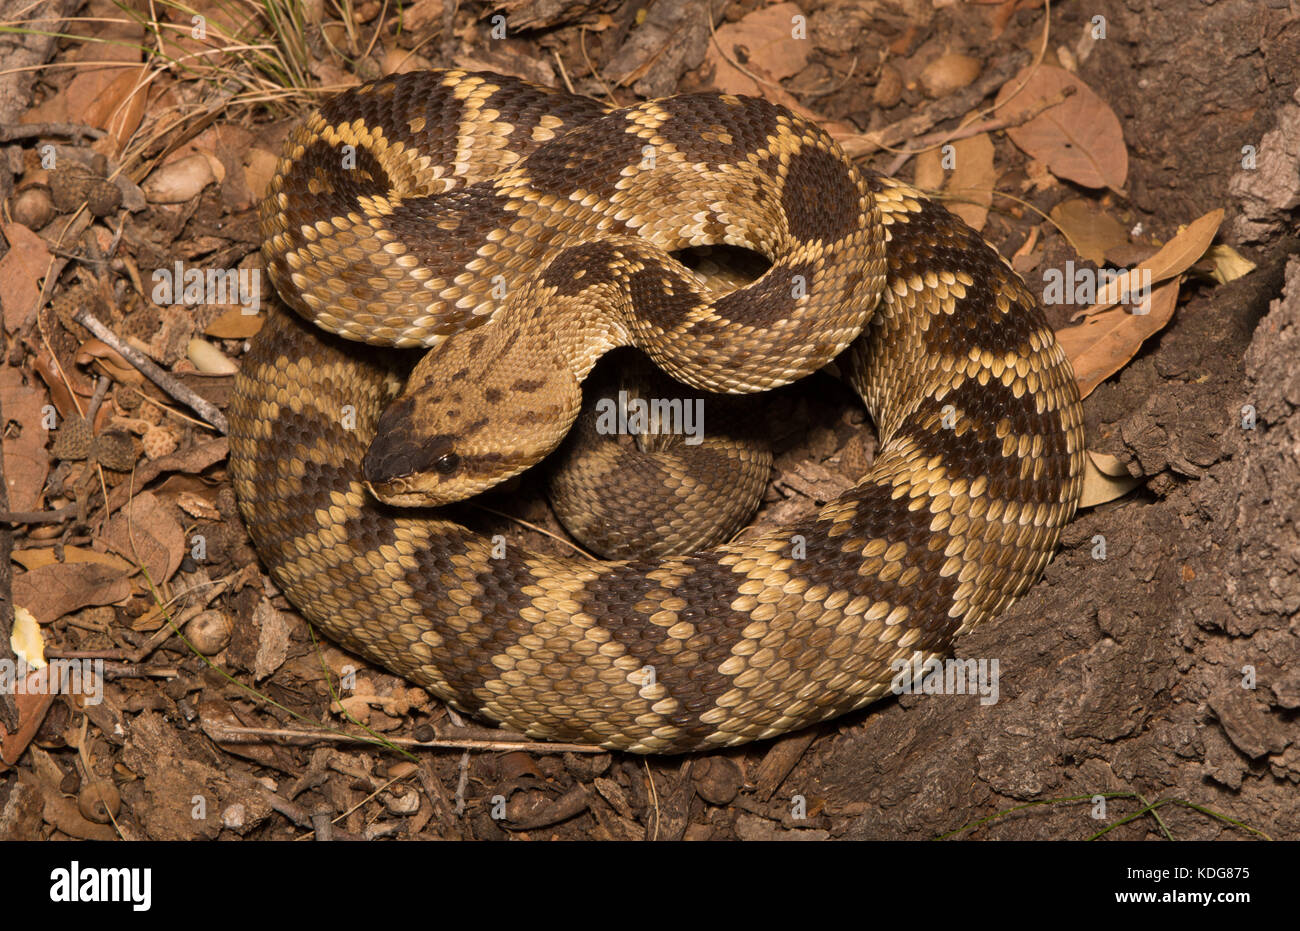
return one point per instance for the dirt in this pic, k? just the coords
(1153, 668)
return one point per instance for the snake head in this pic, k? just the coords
(469, 418)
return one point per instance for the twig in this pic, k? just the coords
(887, 137)
(147, 367)
(533, 527)
(39, 517)
(136, 671)
(227, 733)
(836, 85)
(925, 143)
(34, 130)
(301, 817)
(9, 719)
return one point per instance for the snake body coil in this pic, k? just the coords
(459, 182)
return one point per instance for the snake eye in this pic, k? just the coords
(445, 465)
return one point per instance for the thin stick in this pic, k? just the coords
(542, 530)
(39, 517)
(226, 733)
(928, 142)
(147, 367)
(36, 130)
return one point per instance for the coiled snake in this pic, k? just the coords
(401, 213)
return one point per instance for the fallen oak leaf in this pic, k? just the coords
(766, 43)
(120, 107)
(55, 591)
(26, 463)
(1080, 139)
(1173, 258)
(22, 267)
(973, 179)
(1102, 345)
(40, 556)
(1091, 232)
(33, 699)
(145, 531)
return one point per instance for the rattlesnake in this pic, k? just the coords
(396, 211)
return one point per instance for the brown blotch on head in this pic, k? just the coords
(398, 449)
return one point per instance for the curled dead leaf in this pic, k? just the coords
(22, 268)
(117, 368)
(1079, 138)
(1103, 344)
(1174, 258)
(1224, 263)
(1104, 479)
(972, 179)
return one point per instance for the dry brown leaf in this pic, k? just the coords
(1224, 263)
(33, 701)
(1080, 139)
(102, 65)
(973, 178)
(21, 271)
(1174, 258)
(1092, 232)
(40, 556)
(26, 463)
(764, 43)
(120, 108)
(235, 324)
(1102, 345)
(1104, 479)
(53, 591)
(121, 371)
(928, 170)
(145, 530)
(259, 168)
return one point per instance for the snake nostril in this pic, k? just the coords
(383, 462)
